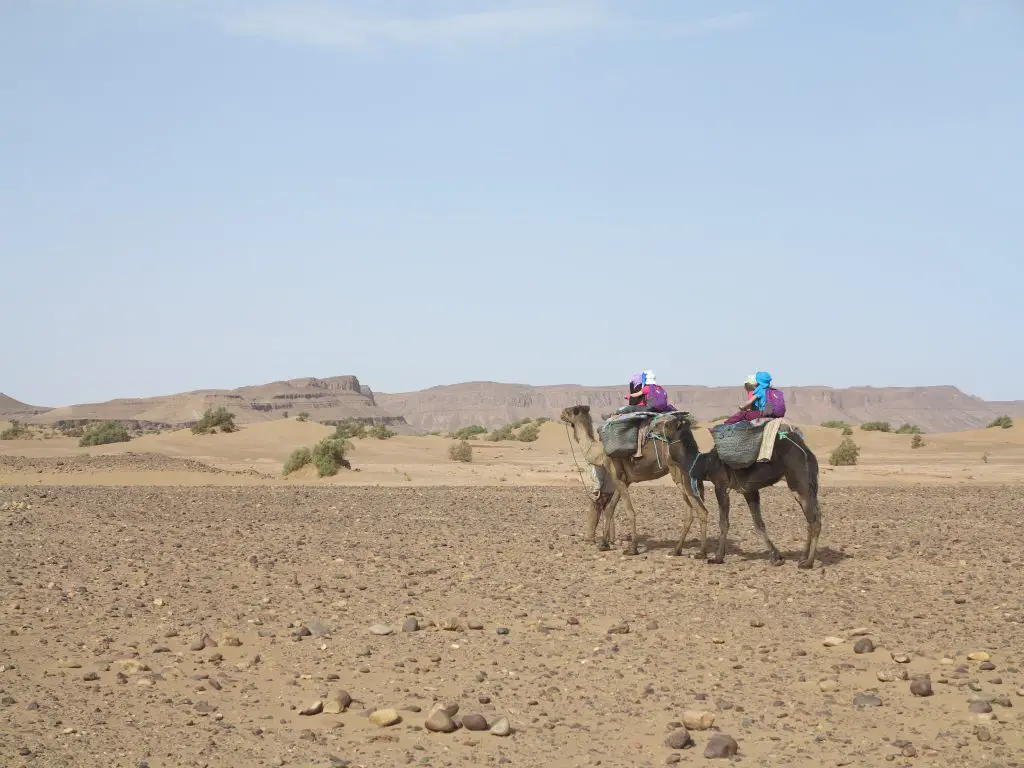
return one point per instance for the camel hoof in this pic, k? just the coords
(715, 560)
(805, 565)
(604, 546)
(630, 551)
(777, 560)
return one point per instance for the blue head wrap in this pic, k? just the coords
(764, 381)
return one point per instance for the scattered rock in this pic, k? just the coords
(698, 720)
(475, 625)
(829, 686)
(680, 739)
(501, 727)
(978, 656)
(619, 629)
(451, 624)
(475, 723)
(411, 625)
(922, 686)
(451, 709)
(132, 666)
(230, 641)
(982, 733)
(385, 718)
(440, 722)
(381, 629)
(980, 707)
(721, 746)
(987, 666)
(866, 700)
(901, 658)
(832, 642)
(864, 645)
(313, 709)
(337, 703)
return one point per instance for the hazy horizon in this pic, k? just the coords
(222, 193)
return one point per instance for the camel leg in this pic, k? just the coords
(687, 522)
(608, 531)
(809, 505)
(631, 549)
(805, 488)
(590, 533)
(754, 502)
(722, 496)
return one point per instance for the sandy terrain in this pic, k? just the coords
(117, 560)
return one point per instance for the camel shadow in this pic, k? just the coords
(824, 555)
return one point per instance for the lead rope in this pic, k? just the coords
(578, 468)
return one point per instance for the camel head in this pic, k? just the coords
(678, 432)
(578, 417)
(573, 413)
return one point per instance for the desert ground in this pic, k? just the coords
(175, 601)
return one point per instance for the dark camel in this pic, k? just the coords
(791, 459)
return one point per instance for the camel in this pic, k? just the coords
(654, 463)
(791, 459)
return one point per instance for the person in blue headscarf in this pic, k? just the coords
(766, 402)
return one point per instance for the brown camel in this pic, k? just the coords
(652, 464)
(791, 459)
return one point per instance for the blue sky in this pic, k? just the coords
(213, 194)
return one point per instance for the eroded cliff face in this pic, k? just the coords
(330, 399)
(935, 409)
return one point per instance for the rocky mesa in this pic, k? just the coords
(444, 408)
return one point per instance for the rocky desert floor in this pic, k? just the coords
(248, 625)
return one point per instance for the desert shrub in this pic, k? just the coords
(329, 455)
(104, 433)
(469, 433)
(502, 433)
(284, 415)
(350, 429)
(1003, 422)
(300, 457)
(876, 426)
(16, 431)
(302, 416)
(984, 457)
(213, 419)
(847, 431)
(528, 434)
(380, 432)
(461, 451)
(70, 430)
(909, 429)
(834, 424)
(541, 420)
(845, 454)
(916, 441)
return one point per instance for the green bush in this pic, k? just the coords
(528, 434)
(502, 433)
(876, 426)
(350, 429)
(105, 433)
(1004, 422)
(909, 429)
(461, 451)
(469, 433)
(300, 457)
(214, 419)
(541, 420)
(329, 455)
(834, 424)
(16, 431)
(847, 431)
(845, 454)
(302, 416)
(916, 441)
(380, 432)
